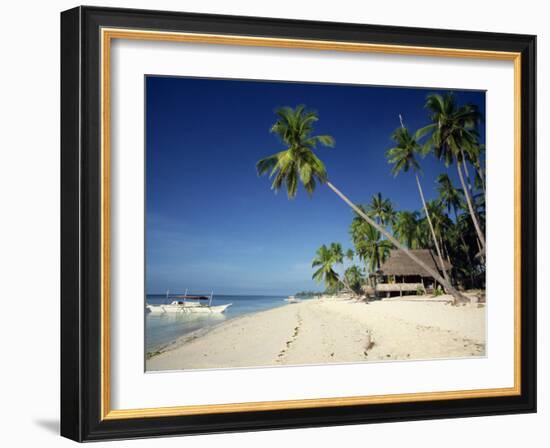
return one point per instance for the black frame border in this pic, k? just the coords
(81, 225)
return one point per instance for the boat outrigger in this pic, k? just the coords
(187, 303)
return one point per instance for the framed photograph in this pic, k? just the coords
(277, 224)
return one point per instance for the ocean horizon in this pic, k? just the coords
(161, 329)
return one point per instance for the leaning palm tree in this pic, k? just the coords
(299, 163)
(324, 261)
(350, 254)
(452, 134)
(403, 158)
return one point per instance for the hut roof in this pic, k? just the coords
(399, 263)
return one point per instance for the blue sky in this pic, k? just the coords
(213, 224)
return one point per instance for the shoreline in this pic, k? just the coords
(331, 330)
(200, 332)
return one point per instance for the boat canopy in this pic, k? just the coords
(187, 297)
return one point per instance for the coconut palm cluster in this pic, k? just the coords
(452, 224)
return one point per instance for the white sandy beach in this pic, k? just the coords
(332, 330)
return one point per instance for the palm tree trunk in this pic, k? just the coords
(437, 248)
(346, 285)
(466, 250)
(457, 296)
(466, 171)
(445, 251)
(456, 223)
(453, 273)
(470, 206)
(479, 248)
(463, 241)
(480, 173)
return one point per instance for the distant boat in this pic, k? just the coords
(292, 299)
(188, 304)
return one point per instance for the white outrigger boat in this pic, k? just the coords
(188, 304)
(292, 299)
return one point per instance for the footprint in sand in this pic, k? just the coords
(288, 343)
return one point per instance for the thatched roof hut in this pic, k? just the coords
(400, 264)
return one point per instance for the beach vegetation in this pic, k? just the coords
(453, 138)
(378, 227)
(406, 228)
(403, 157)
(370, 247)
(355, 279)
(298, 163)
(324, 261)
(307, 293)
(381, 210)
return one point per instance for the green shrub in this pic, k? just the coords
(420, 291)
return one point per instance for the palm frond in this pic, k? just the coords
(297, 164)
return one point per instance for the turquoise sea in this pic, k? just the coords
(161, 329)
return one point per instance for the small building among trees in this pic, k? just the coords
(399, 275)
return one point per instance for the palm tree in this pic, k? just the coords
(381, 210)
(406, 229)
(337, 252)
(449, 196)
(369, 245)
(452, 132)
(403, 158)
(441, 222)
(468, 260)
(298, 162)
(324, 260)
(475, 156)
(338, 258)
(354, 278)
